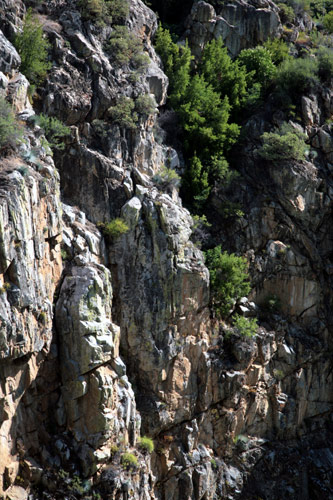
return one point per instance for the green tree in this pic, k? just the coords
(205, 119)
(33, 49)
(228, 279)
(176, 62)
(259, 65)
(226, 76)
(196, 187)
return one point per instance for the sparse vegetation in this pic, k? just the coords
(115, 228)
(228, 279)
(129, 461)
(33, 49)
(246, 327)
(145, 105)
(124, 47)
(54, 130)
(10, 132)
(123, 112)
(167, 177)
(147, 444)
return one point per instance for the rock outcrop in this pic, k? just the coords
(241, 24)
(107, 337)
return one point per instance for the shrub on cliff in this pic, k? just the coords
(33, 49)
(296, 76)
(9, 129)
(146, 444)
(286, 143)
(123, 112)
(124, 47)
(228, 279)
(244, 326)
(102, 11)
(115, 228)
(54, 130)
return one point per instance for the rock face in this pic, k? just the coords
(241, 24)
(106, 336)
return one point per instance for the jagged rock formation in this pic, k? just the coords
(105, 338)
(240, 24)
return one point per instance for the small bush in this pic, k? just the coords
(145, 105)
(54, 130)
(129, 461)
(286, 143)
(123, 113)
(115, 228)
(124, 47)
(244, 326)
(33, 49)
(146, 444)
(167, 177)
(272, 303)
(296, 76)
(228, 279)
(10, 132)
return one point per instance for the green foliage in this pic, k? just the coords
(278, 50)
(325, 64)
(176, 61)
(287, 143)
(296, 76)
(167, 177)
(259, 65)
(54, 130)
(287, 14)
(228, 279)
(10, 132)
(228, 78)
(124, 47)
(101, 11)
(320, 7)
(328, 22)
(272, 303)
(4, 287)
(145, 105)
(115, 228)
(204, 116)
(129, 461)
(33, 49)
(123, 112)
(147, 444)
(245, 327)
(196, 184)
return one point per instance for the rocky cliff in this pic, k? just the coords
(106, 338)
